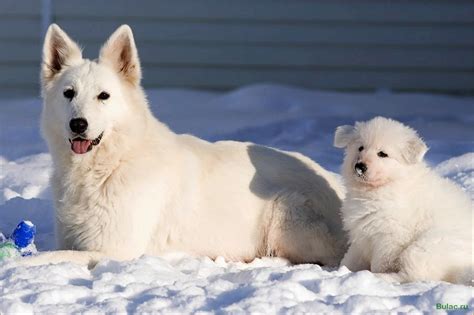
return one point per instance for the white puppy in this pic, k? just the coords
(402, 218)
(125, 185)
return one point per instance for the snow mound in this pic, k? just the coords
(26, 177)
(461, 170)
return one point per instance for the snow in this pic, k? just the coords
(181, 284)
(26, 177)
(461, 170)
(280, 116)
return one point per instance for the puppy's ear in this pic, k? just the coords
(59, 52)
(343, 136)
(415, 150)
(121, 54)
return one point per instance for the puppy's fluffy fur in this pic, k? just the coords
(403, 220)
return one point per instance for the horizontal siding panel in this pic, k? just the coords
(20, 7)
(275, 10)
(302, 56)
(267, 56)
(223, 78)
(20, 28)
(26, 77)
(20, 51)
(99, 30)
(19, 75)
(19, 91)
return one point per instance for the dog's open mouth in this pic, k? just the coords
(80, 145)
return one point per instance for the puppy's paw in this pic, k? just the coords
(391, 277)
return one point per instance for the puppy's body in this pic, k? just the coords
(129, 186)
(402, 218)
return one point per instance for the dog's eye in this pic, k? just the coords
(69, 94)
(382, 154)
(361, 148)
(103, 96)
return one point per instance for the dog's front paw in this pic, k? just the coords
(89, 259)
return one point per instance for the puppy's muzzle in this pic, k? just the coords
(360, 168)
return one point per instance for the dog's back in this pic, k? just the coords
(126, 185)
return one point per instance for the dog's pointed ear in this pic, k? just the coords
(121, 54)
(343, 136)
(59, 51)
(415, 150)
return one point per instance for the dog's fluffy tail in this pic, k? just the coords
(88, 258)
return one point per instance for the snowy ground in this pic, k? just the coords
(283, 117)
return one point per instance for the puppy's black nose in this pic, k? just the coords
(360, 167)
(78, 125)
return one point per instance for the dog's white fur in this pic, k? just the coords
(147, 190)
(403, 219)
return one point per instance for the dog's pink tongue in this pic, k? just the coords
(80, 146)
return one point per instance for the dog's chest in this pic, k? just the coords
(371, 220)
(89, 207)
(112, 211)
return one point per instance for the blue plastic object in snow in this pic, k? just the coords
(20, 242)
(24, 234)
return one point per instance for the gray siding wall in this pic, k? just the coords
(414, 45)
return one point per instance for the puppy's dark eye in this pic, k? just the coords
(382, 154)
(361, 148)
(69, 94)
(103, 96)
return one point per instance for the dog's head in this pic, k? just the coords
(378, 151)
(84, 99)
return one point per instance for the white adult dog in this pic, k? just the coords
(125, 185)
(403, 219)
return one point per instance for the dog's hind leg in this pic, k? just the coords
(297, 230)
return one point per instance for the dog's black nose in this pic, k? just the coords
(360, 167)
(78, 125)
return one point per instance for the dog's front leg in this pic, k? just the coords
(87, 258)
(386, 256)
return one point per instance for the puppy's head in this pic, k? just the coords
(378, 151)
(85, 99)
